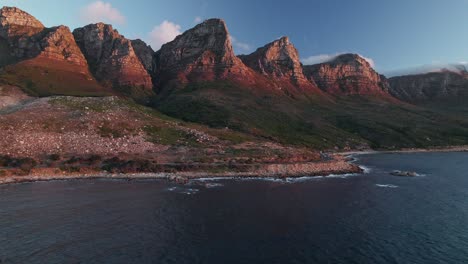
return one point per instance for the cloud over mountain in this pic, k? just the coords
(100, 11)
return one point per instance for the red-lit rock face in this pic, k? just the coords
(111, 56)
(279, 61)
(347, 74)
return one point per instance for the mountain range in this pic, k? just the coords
(268, 94)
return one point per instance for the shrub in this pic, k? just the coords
(54, 157)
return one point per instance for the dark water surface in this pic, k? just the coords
(371, 218)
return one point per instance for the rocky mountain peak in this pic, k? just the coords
(15, 22)
(352, 59)
(59, 43)
(433, 86)
(111, 56)
(202, 53)
(348, 74)
(145, 53)
(279, 60)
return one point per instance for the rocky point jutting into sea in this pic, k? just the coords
(91, 102)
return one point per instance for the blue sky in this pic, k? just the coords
(395, 34)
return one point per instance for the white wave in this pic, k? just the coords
(303, 179)
(341, 176)
(187, 191)
(386, 186)
(213, 185)
(211, 179)
(366, 170)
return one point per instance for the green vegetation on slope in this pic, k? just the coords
(45, 78)
(346, 122)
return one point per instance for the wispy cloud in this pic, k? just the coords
(100, 11)
(163, 33)
(316, 59)
(198, 20)
(241, 46)
(433, 67)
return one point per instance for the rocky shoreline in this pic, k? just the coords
(340, 164)
(278, 171)
(408, 150)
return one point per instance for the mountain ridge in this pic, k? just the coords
(197, 78)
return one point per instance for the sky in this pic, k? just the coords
(393, 34)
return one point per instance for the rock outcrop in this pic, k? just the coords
(279, 60)
(203, 53)
(15, 23)
(45, 61)
(434, 86)
(145, 53)
(111, 57)
(20, 35)
(58, 43)
(347, 74)
(27, 38)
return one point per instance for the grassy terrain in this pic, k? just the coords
(41, 77)
(346, 122)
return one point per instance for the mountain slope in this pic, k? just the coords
(430, 87)
(113, 60)
(279, 61)
(43, 60)
(348, 74)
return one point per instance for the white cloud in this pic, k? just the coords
(163, 33)
(329, 57)
(243, 47)
(369, 60)
(100, 11)
(433, 67)
(316, 59)
(198, 20)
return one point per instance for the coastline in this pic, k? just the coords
(338, 166)
(406, 150)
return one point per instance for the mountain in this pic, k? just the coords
(347, 74)
(433, 87)
(145, 53)
(112, 59)
(42, 60)
(267, 95)
(279, 61)
(203, 54)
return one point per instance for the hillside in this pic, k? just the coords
(268, 96)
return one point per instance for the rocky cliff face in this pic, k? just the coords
(27, 38)
(203, 53)
(44, 60)
(14, 22)
(58, 43)
(145, 53)
(279, 60)
(111, 57)
(431, 86)
(347, 74)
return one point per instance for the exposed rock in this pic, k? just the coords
(347, 74)
(29, 50)
(280, 61)
(28, 38)
(145, 53)
(404, 173)
(203, 53)
(59, 44)
(11, 96)
(111, 57)
(433, 86)
(14, 22)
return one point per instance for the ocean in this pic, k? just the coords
(369, 218)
